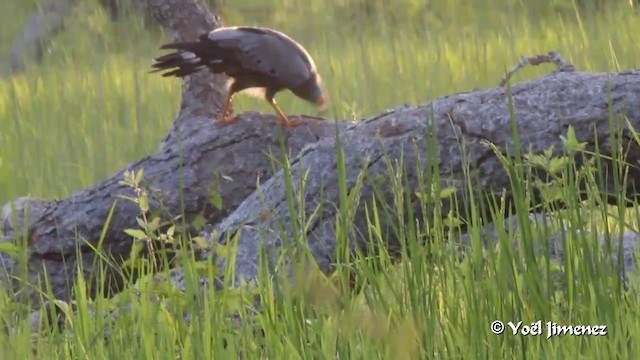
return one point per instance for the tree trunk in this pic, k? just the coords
(49, 19)
(45, 23)
(197, 158)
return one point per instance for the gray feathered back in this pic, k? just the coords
(266, 51)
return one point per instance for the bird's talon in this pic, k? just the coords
(293, 123)
(287, 122)
(226, 120)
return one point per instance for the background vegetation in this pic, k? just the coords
(93, 91)
(91, 107)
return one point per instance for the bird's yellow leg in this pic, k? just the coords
(283, 118)
(224, 119)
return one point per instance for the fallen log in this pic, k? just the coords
(448, 135)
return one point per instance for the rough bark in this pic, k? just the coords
(194, 158)
(197, 157)
(461, 124)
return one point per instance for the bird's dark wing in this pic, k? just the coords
(264, 51)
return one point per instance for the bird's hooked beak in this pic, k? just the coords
(323, 103)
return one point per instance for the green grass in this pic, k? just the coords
(93, 90)
(91, 107)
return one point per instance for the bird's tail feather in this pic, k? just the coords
(183, 62)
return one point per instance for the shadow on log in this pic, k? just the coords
(197, 158)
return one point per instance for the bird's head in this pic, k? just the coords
(313, 91)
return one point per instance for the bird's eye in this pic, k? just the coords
(259, 62)
(272, 71)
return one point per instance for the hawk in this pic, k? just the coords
(259, 60)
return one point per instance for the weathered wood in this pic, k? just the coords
(462, 123)
(545, 107)
(197, 157)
